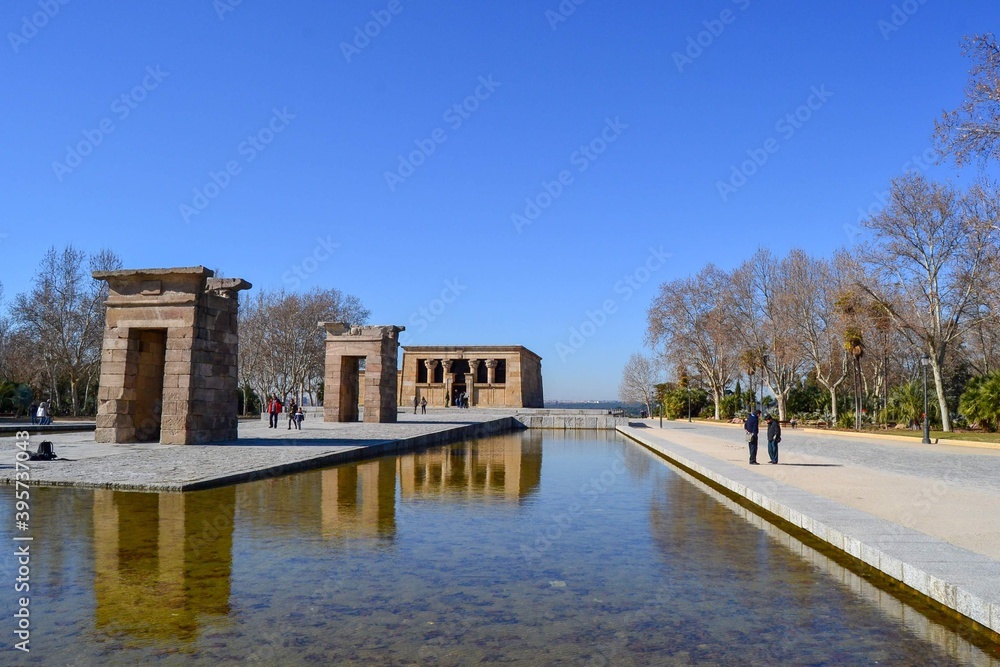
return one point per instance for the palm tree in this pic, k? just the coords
(855, 346)
(980, 402)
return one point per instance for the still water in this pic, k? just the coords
(527, 549)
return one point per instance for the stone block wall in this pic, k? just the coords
(176, 328)
(345, 385)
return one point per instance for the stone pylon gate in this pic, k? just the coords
(168, 363)
(346, 346)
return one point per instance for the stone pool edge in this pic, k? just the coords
(964, 599)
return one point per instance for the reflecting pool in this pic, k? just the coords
(537, 548)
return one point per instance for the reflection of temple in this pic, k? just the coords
(492, 376)
(359, 500)
(503, 467)
(161, 561)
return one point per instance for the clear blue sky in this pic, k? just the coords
(200, 78)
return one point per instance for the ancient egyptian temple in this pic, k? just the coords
(507, 376)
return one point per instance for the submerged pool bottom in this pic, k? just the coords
(537, 548)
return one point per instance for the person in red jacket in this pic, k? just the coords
(273, 411)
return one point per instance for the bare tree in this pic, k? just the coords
(973, 129)
(813, 288)
(688, 324)
(763, 318)
(638, 383)
(281, 347)
(64, 315)
(932, 246)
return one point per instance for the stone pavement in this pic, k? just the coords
(260, 451)
(925, 515)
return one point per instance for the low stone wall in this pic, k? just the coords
(573, 420)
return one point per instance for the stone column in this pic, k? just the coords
(430, 365)
(491, 371)
(474, 373)
(446, 365)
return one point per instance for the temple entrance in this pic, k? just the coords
(147, 352)
(456, 394)
(350, 388)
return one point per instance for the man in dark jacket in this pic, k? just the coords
(773, 438)
(750, 426)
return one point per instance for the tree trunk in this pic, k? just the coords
(73, 402)
(717, 399)
(942, 402)
(833, 402)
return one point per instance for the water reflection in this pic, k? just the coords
(417, 559)
(507, 468)
(157, 571)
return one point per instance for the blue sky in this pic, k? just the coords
(279, 143)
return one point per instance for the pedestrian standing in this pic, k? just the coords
(33, 412)
(299, 416)
(423, 405)
(416, 402)
(292, 407)
(43, 413)
(773, 438)
(273, 410)
(751, 428)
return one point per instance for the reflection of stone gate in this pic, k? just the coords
(168, 363)
(346, 346)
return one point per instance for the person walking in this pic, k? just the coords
(273, 410)
(292, 408)
(773, 438)
(299, 416)
(423, 405)
(416, 402)
(751, 427)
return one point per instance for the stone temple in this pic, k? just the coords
(493, 376)
(168, 361)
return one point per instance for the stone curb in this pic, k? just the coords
(958, 579)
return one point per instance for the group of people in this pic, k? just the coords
(293, 410)
(40, 413)
(752, 429)
(462, 400)
(422, 403)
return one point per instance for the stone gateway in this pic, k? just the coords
(168, 362)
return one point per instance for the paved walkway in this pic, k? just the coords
(924, 514)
